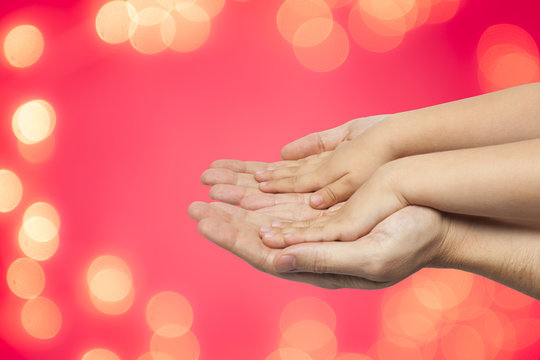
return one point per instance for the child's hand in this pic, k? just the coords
(373, 201)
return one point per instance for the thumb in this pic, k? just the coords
(336, 192)
(327, 257)
(315, 143)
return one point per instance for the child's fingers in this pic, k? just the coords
(336, 192)
(225, 176)
(258, 200)
(297, 184)
(232, 194)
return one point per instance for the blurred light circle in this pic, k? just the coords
(387, 9)
(313, 337)
(287, 353)
(100, 354)
(307, 308)
(294, 13)
(335, 4)
(44, 210)
(40, 229)
(387, 350)
(37, 250)
(351, 356)
(147, 31)
(23, 45)
(140, 5)
(155, 356)
(39, 152)
(109, 279)
(185, 347)
(506, 34)
(313, 32)
(210, 7)
(10, 190)
(116, 307)
(423, 10)
(25, 278)
(510, 299)
(169, 314)
(33, 121)
(449, 287)
(511, 69)
(442, 10)
(191, 28)
(41, 318)
(326, 56)
(113, 21)
(368, 39)
(463, 342)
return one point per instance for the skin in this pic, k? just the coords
(495, 118)
(398, 246)
(501, 180)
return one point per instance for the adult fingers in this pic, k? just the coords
(226, 176)
(232, 194)
(255, 201)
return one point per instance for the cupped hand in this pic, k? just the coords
(398, 246)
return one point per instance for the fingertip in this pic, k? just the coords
(317, 201)
(194, 209)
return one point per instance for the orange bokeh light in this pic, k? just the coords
(211, 7)
(446, 288)
(191, 27)
(184, 347)
(11, 190)
(353, 357)
(463, 342)
(23, 45)
(327, 55)
(38, 235)
(287, 353)
(33, 121)
(313, 337)
(148, 30)
(508, 298)
(100, 354)
(25, 278)
(41, 318)
(169, 314)
(113, 21)
(307, 308)
(36, 153)
(442, 10)
(294, 13)
(110, 284)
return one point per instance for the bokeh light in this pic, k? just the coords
(443, 10)
(113, 21)
(25, 278)
(463, 342)
(39, 152)
(507, 56)
(327, 55)
(38, 235)
(152, 31)
(100, 354)
(191, 27)
(351, 356)
(11, 190)
(313, 337)
(184, 347)
(287, 353)
(41, 318)
(294, 13)
(33, 121)
(110, 283)
(23, 46)
(169, 314)
(211, 7)
(305, 308)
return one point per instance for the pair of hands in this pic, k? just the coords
(382, 251)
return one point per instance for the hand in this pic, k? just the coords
(400, 245)
(373, 201)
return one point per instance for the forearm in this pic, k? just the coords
(508, 254)
(499, 181)
(495, 118)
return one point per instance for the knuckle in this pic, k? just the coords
(331, 194)
(319, 263)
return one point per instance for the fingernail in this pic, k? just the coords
(265, 229)
(268, 235)
(259, 172)
(316, 200)
(276, 223)
(264, 183)
(286, 263)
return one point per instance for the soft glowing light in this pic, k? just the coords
(40, 229)
(442, 10)
(387, 350)
(326, 56)
(353, 357)
(149, 30)
(508, 34)
(449, 287)
(38, 235)
(312, 337)
(307, 308)
(368, 39)
(294, 13)
(335, 4)
(10, 190)
(23, 46)
(100, 354)
(25, 278)
(109, 282)
(463, 342)
(116, 307)
(36, 153)
(211, 7)
(37, 250)
(185, 347)
(44, 210)
(33, 121)
(113, 21)
(191, 28)
(508, 298)
(169, 314)
(41, 318)
(140, 5)
(287, 353)
(154, 356)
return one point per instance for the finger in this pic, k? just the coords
(336, 192)
(199, 210)
(298, 167)
(239, 240)
(251, 217)
(250, 167)
(291, 212)
(284, 234)
(333, 281)
(314, 143)
(226, 176)
(297, 184)
(232, 194)
(261, 200)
